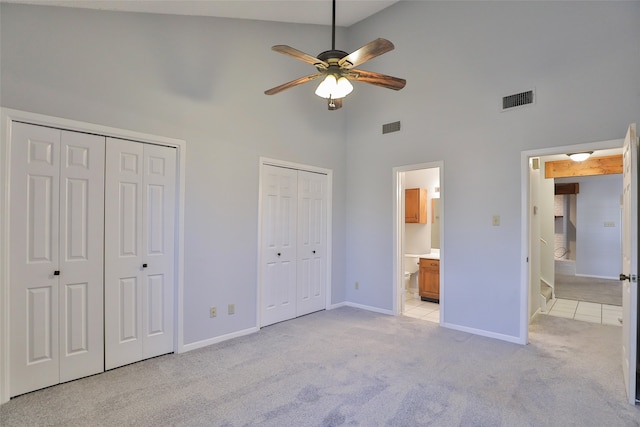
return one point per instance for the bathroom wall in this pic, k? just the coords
(418, 236)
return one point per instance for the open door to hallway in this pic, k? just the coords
(629, 246)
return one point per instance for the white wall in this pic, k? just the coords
(459, 59)
(598, 248)
(418, 236)
(202, 80)
(197, 79)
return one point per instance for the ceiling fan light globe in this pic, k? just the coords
(344, 88)
(327, 87)
(334, 88)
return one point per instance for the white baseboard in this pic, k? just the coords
(534, 315)
(483, 333)
(363, 307)
(338, 305)
(596, 277)
(215, 340)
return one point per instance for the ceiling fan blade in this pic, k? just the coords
(377, 79)
(292, 83)
(334, 104)
(299, 55)
(365, 53)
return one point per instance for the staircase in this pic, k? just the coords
(546, 295)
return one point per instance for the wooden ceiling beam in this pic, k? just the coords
(593, 166)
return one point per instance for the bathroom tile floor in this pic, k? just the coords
(604, 314)
(416, 308)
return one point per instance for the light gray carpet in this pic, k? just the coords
(589, 289)
(356, 368)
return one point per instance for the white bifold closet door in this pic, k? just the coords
(56, 256)
(311, 247)
(139, 251)
(293, 252)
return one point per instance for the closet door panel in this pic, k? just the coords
(279, 228)
(81, 255)
(139, 251)
(123, 245)
(34, 218)
(158, 249)
(311, 246)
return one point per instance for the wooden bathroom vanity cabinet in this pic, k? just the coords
(429, 279)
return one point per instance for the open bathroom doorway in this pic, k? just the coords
(418, 224)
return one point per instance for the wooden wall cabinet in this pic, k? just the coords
(429, 279)
(415, 205)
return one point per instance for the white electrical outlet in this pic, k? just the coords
(609, 224)
(232, 308)
(357, 286)
(213, 312)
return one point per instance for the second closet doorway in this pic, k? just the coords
(294, 243)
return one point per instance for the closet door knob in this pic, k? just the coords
(314, 252)
(56, 273)
(144, 265)
(278, 253)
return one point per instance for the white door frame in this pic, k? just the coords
(7, 117)
(398, 233)
(524, 214)
(308, 168)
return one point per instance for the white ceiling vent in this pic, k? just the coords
(391, 127)
(517, 100)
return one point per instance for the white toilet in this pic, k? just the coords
(411, 268)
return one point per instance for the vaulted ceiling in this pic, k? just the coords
(348, 12)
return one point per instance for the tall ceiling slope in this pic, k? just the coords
(295, 11)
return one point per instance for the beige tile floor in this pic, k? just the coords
(425, 310)
(586, 311)
(604, 314)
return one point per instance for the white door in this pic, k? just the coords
(158, 234)
(630, 261)
(139, 248)
(278, 265)
(56, 211)
(81, 255)
(311, 247)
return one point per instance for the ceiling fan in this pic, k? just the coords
(337, 68)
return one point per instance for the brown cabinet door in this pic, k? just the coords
(415, 205)
(429, 279)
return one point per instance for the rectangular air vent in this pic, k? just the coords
(391, 127)
(517, 100)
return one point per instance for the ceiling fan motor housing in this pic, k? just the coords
(331, 57)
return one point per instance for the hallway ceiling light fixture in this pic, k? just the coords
(337, 68)
(580, 157)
